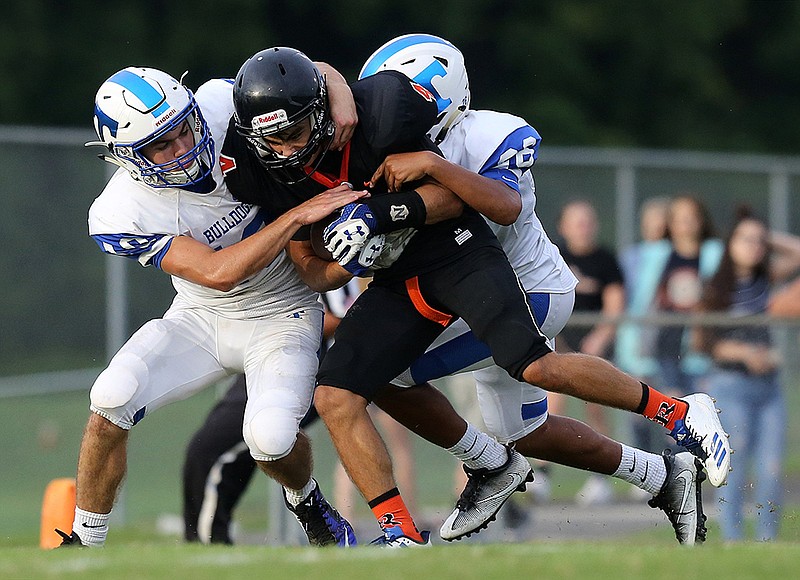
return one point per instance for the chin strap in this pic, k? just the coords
(107, 158)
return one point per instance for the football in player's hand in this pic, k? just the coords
(317, 243)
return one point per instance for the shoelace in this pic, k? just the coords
(470, 493)
(690, 439)
(312, 515)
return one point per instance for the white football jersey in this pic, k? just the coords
(504, 147)
(136, 221)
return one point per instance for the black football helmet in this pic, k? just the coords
(274, 90)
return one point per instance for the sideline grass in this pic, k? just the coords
(596, 560)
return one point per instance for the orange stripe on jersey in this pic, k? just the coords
(412, 286)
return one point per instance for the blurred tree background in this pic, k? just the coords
(698, 74)
(712, 75)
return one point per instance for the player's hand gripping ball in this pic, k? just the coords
(349, 232)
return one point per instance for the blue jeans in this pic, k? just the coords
(754, 414)
(673, 379)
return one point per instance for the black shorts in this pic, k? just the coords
(391, 323)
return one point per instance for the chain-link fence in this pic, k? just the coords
(65, 306)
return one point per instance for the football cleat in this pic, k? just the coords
(388, 540)
(70, 540)
(483, 496)
(701, 433)
(681, 497)
(323, 525)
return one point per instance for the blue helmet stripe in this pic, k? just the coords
(104, 121)
(373, 65)
(142, 90)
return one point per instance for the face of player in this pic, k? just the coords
(291, 140)
(748, 246)
(171, 145)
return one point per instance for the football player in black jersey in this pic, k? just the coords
(448, 265)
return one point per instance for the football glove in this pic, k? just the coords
(345, 236)
(366, 257)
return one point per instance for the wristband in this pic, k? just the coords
(397, 211)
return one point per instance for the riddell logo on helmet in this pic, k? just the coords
(270, 119)
(166, 117)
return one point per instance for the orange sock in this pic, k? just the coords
(393, 516)
(662, 409)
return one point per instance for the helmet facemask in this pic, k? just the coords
(302, 163)
(188, 169)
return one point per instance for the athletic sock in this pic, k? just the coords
(477, 450)
(393, 516)
(660, 408)
(91, 528)
(296, 496)
(644, 470)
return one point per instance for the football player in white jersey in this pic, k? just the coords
(501, 149)
(240, 306)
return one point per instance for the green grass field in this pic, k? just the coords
(41, 435)
(596, 560)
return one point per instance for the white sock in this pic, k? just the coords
(476, 449)
(91, 528)
(296, 496)
(644, 470)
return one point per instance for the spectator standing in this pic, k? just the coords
(745, 375)
(669, 280)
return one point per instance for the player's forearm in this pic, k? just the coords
(227, 268)
(440, 203)
(318, 274)
(494, 199)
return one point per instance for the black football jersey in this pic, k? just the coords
(394, 114)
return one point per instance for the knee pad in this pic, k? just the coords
(117, 384)
(271, 425)
(510, 409)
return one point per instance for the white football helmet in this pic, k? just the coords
(435, 64)
(136, 106)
